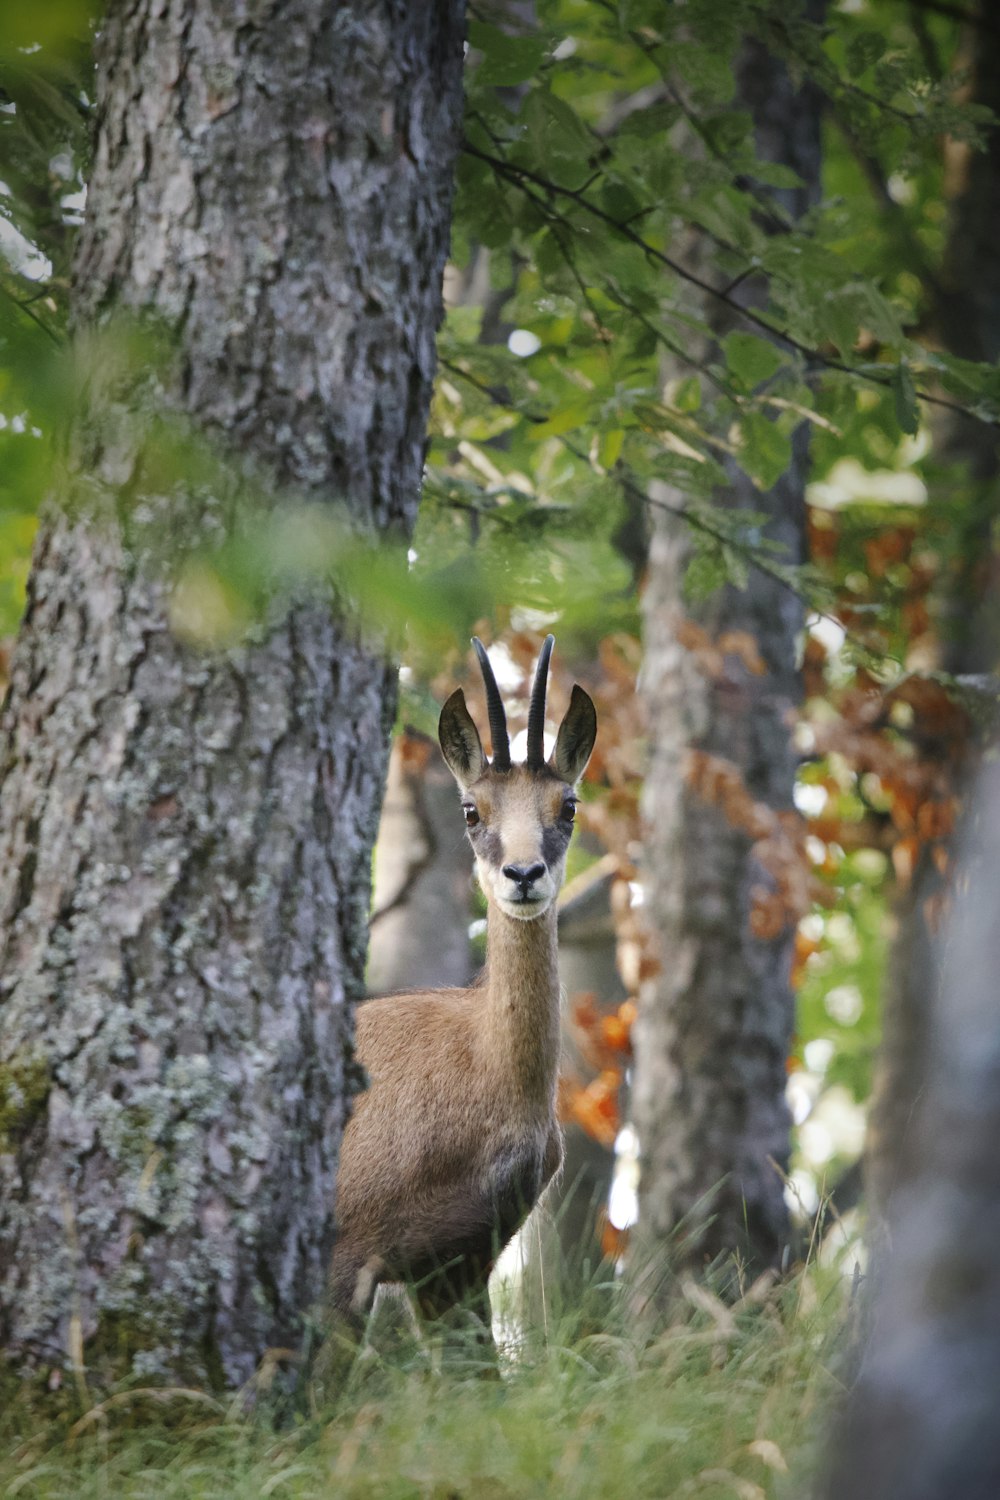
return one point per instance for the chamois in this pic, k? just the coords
(456, 1136)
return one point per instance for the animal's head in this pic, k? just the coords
(519, 818)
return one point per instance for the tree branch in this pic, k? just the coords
(697, 522)
(524, 178)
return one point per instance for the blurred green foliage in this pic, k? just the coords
(598, 140)
(46, 87)
(601, 143)
(838, 994)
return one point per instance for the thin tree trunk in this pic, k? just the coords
(716, 1022)
(966, 315)
(422, 905)
(921, 1424)
(185, 838)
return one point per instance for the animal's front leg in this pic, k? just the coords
(353, 1284)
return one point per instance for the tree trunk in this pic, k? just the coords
(422, 901)
(185, 838)
(715, 1023)
(966, 315)
(921, 1424)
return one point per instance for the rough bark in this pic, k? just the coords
(185, 839)
(715, 1023)
(921, 1424)
(966, 316)
(421, 907)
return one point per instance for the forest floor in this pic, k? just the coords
(719, 1402)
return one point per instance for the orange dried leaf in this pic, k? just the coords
(614, 1241)
(805, 947)
(768, 917)
(414, 751)
(628, 1012)
(741, 643)
(595, 1109)
(586, 1016)
(691, 635)
(616, 1034)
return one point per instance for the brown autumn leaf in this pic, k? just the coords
(741, 643)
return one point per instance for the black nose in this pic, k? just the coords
(524, 875)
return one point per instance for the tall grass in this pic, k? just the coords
(713, 1402)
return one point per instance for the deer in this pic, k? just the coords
(456, 1136)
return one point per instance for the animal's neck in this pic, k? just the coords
(521, 1022)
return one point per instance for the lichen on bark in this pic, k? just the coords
(185, 837)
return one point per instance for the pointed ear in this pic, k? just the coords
(576, 737)
(460, 743)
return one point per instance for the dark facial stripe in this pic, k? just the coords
(488, 845)
(555, 841)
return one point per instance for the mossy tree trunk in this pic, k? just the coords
(715, 1023)
(185, 838)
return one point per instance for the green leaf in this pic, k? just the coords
(729, 214)
(507, 60)
(905, 392)
(708, 72)
(737, 567)
(609, 447)
(839, 319)
(634, 15)
(556, 141)
(705, 573)
(730, 131)
(766, 451)
(862, 51)
(618, 199)
(687, 394)
(881, 316)
(55, 22)
(651, 123)
(775, 174)
(549, 256)
(563, 419)
(750, 359)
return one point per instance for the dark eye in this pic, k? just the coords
(569, 809)
(471, 815)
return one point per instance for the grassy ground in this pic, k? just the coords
(716, 1403)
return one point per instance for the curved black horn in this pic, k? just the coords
(495, 709)
(536, 713)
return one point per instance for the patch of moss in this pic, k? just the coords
(25, 1082)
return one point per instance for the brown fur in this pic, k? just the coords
(456, 1136)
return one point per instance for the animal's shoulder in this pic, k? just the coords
(412, 1022)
